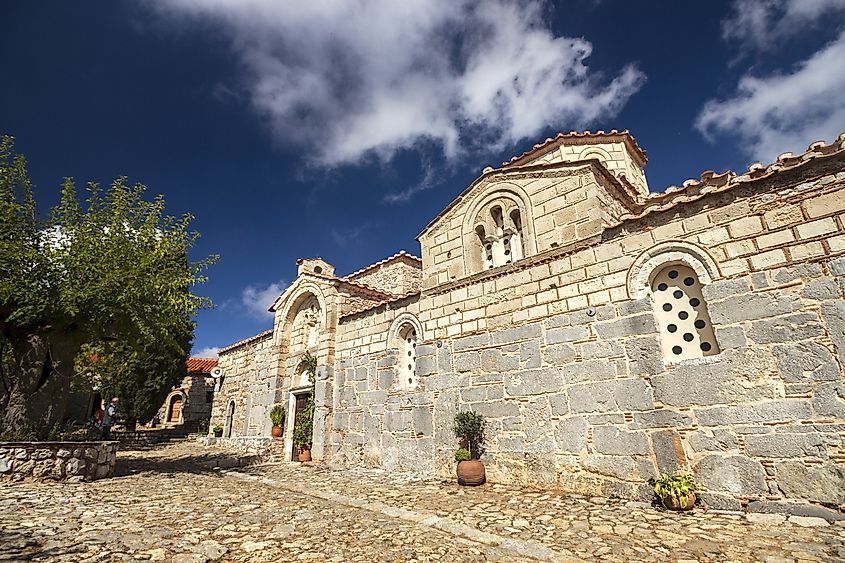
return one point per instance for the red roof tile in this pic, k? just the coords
(201, 365)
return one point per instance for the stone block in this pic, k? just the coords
(571, 435)
(613, 441)
(494, 361)
(829, 400)
(620, 467)
(661, 418)
(397, 421)
(567, 334)
(799, 509)
(716, 501)
(424, 350)
(468, 342)
(559, 354)
(751, 306)
(495, 409)
(798, 271)
(473, 394)
(837, 266)
(823, 289)
(634, 306)
(644, 355)
(806, 361)
(737, 475)
(529, 354)
(784, 410)
(423, 422)
(800, 326)
(426, 366)
(559, 403)
(601, 349)
(730, 337)
(467, 361)
(516, 334)
(834, 318)
(6, 464)
(723, 289)
(590, 370)
(620, 395)
(533, 382)
(444, 359)
(628, 326)
(824, 484)
(668, 451)
(783, 445)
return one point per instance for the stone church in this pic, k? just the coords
(607, 333)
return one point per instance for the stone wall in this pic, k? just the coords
(400, 276)
(194, 390)
(58, 461)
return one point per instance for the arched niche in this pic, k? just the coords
(647, 265)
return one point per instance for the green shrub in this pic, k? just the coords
(469, 429)
(303, 424)
(462, 454)
(277, 415)
(217, 429)
(677, 485)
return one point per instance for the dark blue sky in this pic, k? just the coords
(174, 94)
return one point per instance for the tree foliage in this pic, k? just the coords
(303, 426)
(107, 276)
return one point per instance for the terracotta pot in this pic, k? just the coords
(685, 503)
(276, 431)
(471, 473)
(218, 433)
(305, 455)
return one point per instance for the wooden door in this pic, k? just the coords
(175, 409)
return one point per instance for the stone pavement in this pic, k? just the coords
(166, 505)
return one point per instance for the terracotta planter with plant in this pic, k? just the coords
(303, 426)
(677, 491)
(469, 429)
(218, 431)
(277, 417)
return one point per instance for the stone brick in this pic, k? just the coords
(516, 334)
(834, 319)
(783, 445)
(601, 349)
(589, 370)
(775, 411)
(723, 289)
(628, 326)
(620, 467)
(824, 205)
(662, 418)
(829, 400)
(797, 271)
(768, 259)
(822, 290)
(734, 474)
(806, 361)
(799, 326)
(559, 354)
(730, 337)
(467, 342)
(571, 435)
(533, 382)
(746, 226)
(774, 239)
(668, 451)
(613, 441)
(644, 355)
(782, 216)
(634, 306)
(823, 484)
(496, 409)
(715, 440)
(467, 361)
(494, 361)
(529, 354)
(610, 396)
(566, 334)
(425, 366)
(421, 418)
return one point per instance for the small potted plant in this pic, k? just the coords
(218, 431)
(677, 491)
(469, 429)
(277, 417)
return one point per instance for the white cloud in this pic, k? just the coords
(207, 352)
(784, 111)
(353, 80)
(763, 24)
(258, 298)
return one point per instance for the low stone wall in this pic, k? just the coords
(249, 445)
(58, 461)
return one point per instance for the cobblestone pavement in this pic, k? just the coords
(163, 506)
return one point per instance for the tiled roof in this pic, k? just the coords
(258, 336)
(368, 306)
(396, 256)
(550, 143)
(710, 182)
(201, 365)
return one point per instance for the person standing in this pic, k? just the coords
(109, 416)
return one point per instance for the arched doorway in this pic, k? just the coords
(230, 419)
(174, 410)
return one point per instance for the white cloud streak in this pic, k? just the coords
(762, 24)
(788, 109)
(350, 81)
(258, 298)
(207, 352)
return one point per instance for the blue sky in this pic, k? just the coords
(340, 129)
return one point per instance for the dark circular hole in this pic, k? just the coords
(409, 352)
(678, 294)
(688, 281)
(672, 328)
(410, 367)
(695, 301)
(411, 381)
(667, 306)
(677, 350)
(507, 252)
(683, 315)
(489, 247)
(688, 336)
(662, 287)
(673, 274)
(699, 323)
(705, 346)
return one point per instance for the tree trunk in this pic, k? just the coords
(43, 362)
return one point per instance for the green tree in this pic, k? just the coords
(106, 277)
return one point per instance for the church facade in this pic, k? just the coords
(608, 334)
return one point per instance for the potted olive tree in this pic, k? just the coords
(218, 431)
(469, 429)
(677, 491)
(277, 417)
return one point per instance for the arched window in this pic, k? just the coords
(407, 363)
(499, 232)
(685, 328)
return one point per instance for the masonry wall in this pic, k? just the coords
(398, 277)
(195, 405)
(569, 370)
(250, 380)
